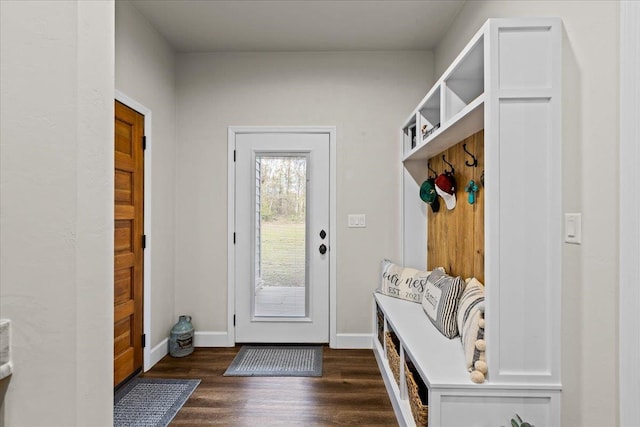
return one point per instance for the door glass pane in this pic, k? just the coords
(280, 230)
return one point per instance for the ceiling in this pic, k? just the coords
(300, 25)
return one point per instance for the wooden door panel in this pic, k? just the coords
(123, 239)
(123, 189)
(124, 261)
(124, 365)
(124, 310)
(123, 285)
(124, 212)
(122, 336)
(124, 135)
(128, 251)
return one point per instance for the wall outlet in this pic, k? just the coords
(357, 220)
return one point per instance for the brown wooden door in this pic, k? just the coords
(128, 242)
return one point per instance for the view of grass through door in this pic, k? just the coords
(280, 257)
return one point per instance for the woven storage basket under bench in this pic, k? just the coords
(393, 354)
(417, 394)
(380, 326)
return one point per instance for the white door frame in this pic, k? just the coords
(149, 357)
(231, 203)
(629, 231)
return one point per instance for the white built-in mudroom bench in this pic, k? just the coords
(493, 121)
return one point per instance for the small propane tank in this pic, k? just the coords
(181, 339)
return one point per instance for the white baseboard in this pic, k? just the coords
(354, 341)
(221, 339)
(211, 339)
(157, 353)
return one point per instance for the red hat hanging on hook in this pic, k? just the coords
(446, 188)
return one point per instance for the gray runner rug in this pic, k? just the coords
(150, 402)
(277, 361)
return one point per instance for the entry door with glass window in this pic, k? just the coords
(282, 237)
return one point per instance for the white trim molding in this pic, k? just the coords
(354, 341)
(210, 339)
(629, 232)
(231, 227)
(148, 354)
(158, 352)
(231, 138)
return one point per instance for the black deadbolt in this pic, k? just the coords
(323, 234)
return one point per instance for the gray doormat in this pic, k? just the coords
(150, 402)
(277, 361)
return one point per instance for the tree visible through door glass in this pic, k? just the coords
(280, 230)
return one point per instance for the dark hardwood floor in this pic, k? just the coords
(350, 392)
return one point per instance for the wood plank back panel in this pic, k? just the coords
(456, 237)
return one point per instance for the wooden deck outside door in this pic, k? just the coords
(128, 242)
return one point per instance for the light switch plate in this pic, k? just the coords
(357, 220)
(573, 228)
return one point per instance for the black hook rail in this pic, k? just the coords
(475, 161)
(452, 170)
(435, 174)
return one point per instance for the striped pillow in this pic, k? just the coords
(440, 301)
(470, 315)
(472, 300)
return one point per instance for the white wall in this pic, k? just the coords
(367, 95)
(56, 223)
(590, 170)
(145, 72)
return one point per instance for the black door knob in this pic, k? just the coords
(322, 249)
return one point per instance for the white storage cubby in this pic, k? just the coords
(465, 83)
(430, 115)
(410, 134)
(506, 82)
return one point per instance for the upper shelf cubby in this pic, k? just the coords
(429, 114)
(410, 134)
(465, 82)
(452, 110)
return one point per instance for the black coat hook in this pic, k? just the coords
(452, 170)
(435, 174)
(475, 161)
